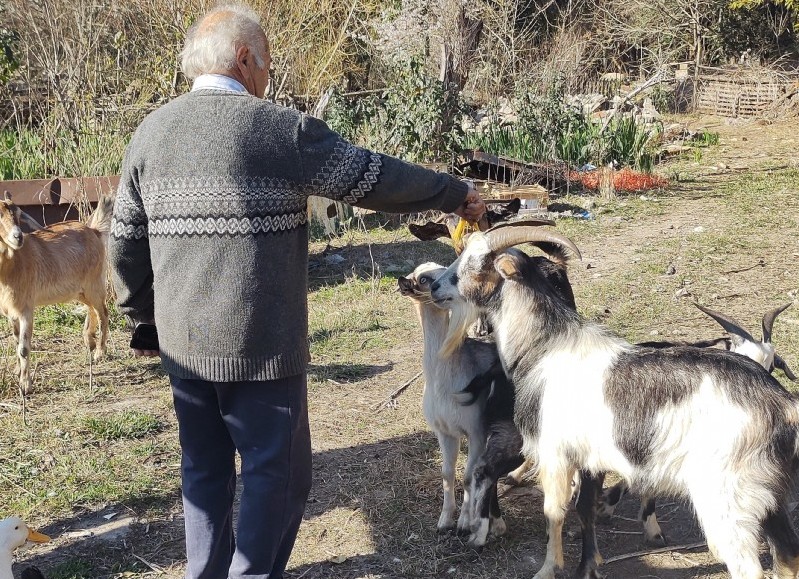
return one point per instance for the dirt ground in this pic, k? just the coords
(376, 493)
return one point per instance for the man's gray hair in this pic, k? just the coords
(211, 42)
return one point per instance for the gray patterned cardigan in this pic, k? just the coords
(210, 236)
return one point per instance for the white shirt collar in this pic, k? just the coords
(217, 82)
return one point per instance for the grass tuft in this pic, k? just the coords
(129, 424)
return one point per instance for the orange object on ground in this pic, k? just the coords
(623, 180)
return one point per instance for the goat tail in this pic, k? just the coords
(100, 219)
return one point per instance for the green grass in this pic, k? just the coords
(72, 569)
(28, 155)
(128, 424)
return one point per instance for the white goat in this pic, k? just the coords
(702, 423)
(448, 371)
(63, 262)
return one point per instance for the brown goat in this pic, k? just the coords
(60, 263)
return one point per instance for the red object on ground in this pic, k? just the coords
(623, 180)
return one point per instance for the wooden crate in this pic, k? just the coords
(501, 192)
(745, 97)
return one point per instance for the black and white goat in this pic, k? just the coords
(702, 423)
(503, 453)
(742, 342)
(449, 365)
(739, 341)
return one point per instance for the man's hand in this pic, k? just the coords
(144, 341)
(145, 353)
(473, 207)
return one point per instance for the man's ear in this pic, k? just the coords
(242, 54)
(507, 265)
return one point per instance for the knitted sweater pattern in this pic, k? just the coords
(209, 236)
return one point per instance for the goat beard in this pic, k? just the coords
(461, 318)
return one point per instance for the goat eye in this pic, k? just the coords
(424, 280)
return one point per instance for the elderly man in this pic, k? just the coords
(210, 242)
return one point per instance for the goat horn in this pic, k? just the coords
(728, 324)
(500, 238)
(522, 223)
(768, 321)
(780, 363)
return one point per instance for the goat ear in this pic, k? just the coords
(507, 265)
(513, 207)
(429, 231)
(6, 196)
(405, 286)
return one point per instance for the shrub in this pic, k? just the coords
(417, 118)
(548, 130)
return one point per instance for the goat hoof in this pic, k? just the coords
(445, 529)
(498, 527)
(658, 540)
(475, 543)
(589, 574)
(463, 531)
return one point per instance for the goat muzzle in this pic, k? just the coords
(15, 238)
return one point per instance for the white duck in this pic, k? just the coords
(15, 533)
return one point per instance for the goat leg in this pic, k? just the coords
(23, 350)
(498, 526)
(652, 532)
(516, 476)
(477, 444)
(610, 499)
(483, 487)
(653, 535)
(498, 459)
(587, 502)
(557, 485)
(450, 446)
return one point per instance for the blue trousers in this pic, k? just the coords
(267, 423)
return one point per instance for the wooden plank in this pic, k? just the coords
(52, 200)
